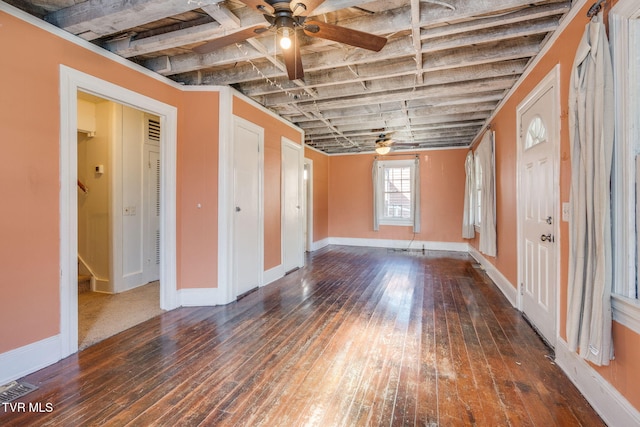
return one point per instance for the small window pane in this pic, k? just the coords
(536, 133)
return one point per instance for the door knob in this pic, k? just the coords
(546, 238)
(549, 220)
(238, 209)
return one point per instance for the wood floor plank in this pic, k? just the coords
(359, 336)
(313, 372)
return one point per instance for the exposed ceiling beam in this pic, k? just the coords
(92, 19)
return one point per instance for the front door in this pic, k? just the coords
(537, 203)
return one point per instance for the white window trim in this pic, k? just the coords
(625, 27)
(380, 190)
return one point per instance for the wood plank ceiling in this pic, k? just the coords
(446, 65)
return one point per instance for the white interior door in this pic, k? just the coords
(152, 216)
(247, 221)
(292, 213)
(308, 204)
(537, 200)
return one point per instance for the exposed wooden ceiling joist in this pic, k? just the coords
(445, 67)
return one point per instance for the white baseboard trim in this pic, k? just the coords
(273, 274)
(506, 287)
(17, 363)
(607, 401)
(101, 285)
(319, 244)
(401, 244)
(200, 297)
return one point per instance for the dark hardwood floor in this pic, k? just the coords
(360, 336)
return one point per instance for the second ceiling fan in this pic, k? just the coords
(286, 18)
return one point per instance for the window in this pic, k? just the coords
(478, 195)
(395, 192)
(536, 133)
(625, 37)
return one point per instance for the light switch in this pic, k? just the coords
(565, 211)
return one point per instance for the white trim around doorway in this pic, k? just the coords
(72, 81)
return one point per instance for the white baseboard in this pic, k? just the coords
(506, 287)
(319, 244)
(401, 244)
(607, 401)
(273, 274)
(101, 285)
(199, 297)
(17, 363)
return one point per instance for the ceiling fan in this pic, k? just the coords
(286, 18)
(384, 143)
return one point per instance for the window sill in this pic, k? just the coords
(626, 311)
(398, 223)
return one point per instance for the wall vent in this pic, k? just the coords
(153, 130)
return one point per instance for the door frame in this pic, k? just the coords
(71, 82)
(550, 82)
(300, 244)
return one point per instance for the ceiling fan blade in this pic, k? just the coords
(304, 7)
(344, 35)
(293, 60)
(259, 5)
(232, 38)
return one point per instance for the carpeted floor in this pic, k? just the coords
(103, 315)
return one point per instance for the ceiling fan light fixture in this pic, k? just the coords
(285, 37)
(383, 149)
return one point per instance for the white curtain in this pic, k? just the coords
(374, 177)
(468, 229)
(416, 196)
(591, 137)
(488, 203)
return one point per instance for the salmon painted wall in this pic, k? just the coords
(624, 371)
(197, 190)
(320, 193)
(274, 130)
(442, 197)
(29, 171)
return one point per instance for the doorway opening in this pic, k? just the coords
(118, 160)
(73, 82)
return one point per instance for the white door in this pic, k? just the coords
(307, 185)
(152, 216)
(247, 229)
(292, 213)
(537, 206)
